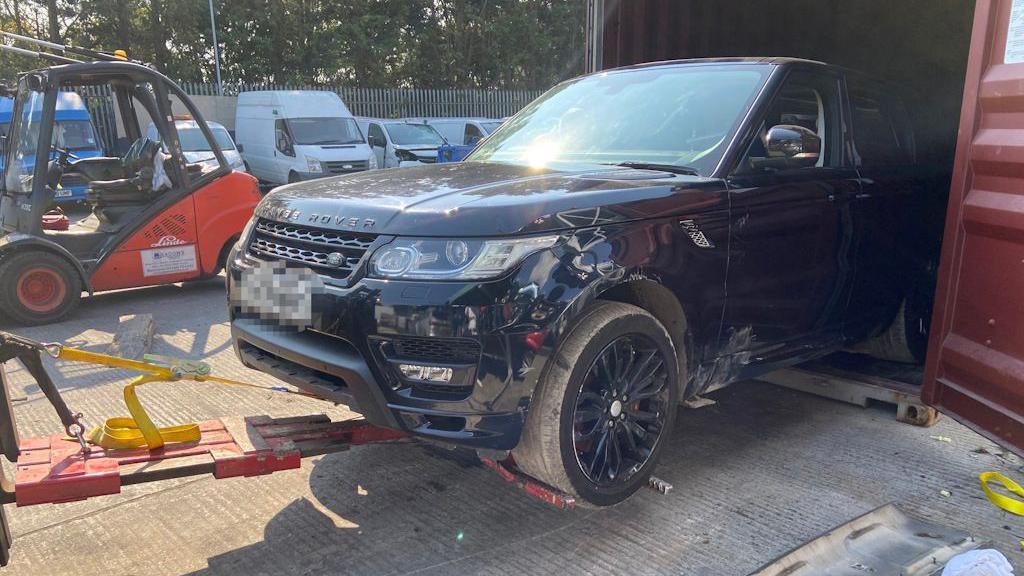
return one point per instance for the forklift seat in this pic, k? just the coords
(112, 200)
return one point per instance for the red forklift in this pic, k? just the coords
(153, 217)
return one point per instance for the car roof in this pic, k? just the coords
(179, 124)
(780, 61)
(367, 119)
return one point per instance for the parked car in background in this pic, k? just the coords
(464, 131)
(399, 143)
(196, 147)
(73, 131)
(292, 135)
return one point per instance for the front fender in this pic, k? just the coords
(654, 264)
(19, 241)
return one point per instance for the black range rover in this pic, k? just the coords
(629, 240)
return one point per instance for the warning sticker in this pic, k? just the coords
(1015, 34)
(160, 261)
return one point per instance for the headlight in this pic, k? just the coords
(371, 164)
(313, 165)
(453, 259)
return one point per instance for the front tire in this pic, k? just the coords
(604, 406)
(38, 288)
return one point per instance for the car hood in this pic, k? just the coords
(486, 199)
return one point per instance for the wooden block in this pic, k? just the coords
(858, 389)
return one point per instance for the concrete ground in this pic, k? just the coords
(760, 472)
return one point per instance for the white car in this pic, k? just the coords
(464, 131)
(196, 148)
(399, 143)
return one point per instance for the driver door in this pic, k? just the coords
(284, 152)
(378, 143)
(791, 233)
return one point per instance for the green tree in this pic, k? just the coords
(519, 44)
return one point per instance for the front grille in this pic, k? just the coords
(345, 166)
(434, 350)
(333, 253)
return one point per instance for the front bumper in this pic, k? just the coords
(493, 335)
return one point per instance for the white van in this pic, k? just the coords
(292, 135)
(398, 143)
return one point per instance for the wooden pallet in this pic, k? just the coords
(859, 389)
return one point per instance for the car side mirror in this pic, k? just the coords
(795, 145)
(240, 148)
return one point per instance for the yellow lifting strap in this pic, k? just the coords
(138, 429)
(1008, 503)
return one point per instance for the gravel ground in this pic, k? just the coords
(756, 474)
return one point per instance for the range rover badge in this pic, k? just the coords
(335, 259)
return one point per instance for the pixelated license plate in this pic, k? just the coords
(279, 292)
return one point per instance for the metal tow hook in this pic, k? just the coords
(76, 430)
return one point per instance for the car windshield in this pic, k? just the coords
(413, 135)
(74, 135)
(678, 115)
(193, 140)
(325, 131)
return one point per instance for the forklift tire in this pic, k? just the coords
(604, 408)
(38, 287)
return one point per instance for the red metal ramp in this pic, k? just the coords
(52, 469)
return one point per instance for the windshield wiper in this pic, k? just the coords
(672, 168)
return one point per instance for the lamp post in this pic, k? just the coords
(216, 48)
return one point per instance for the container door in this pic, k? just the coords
(975, 368)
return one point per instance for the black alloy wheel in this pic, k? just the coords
(621, 410)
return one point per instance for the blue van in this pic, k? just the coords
(73, 130)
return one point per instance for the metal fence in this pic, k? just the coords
(399, 102)
(99, 101)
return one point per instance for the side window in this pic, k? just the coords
(881, 135)
(375, 136)
(472, 134)
(282, 139)
(806, 108)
